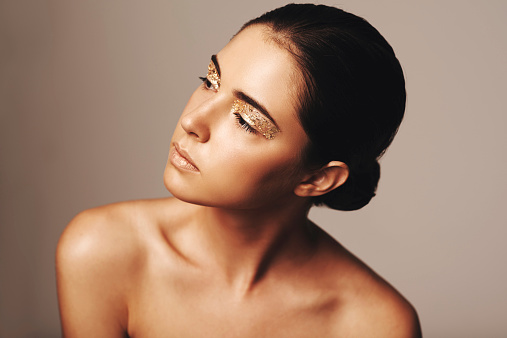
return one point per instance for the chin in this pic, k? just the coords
(174, 185)
(177, 187)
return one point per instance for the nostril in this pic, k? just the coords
(196, 129)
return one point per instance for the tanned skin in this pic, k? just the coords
(233, 254)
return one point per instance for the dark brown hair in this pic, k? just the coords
(353, 96)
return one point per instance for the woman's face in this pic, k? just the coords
(238, 141)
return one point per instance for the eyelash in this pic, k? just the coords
(207, 83)
(243, 124)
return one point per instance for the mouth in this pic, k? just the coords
(181, 159)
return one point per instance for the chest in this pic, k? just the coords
(193, 308)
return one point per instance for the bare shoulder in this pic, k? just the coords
(369, 305)
(98, 259)
(105, 231)
(378, 310)
(118, 233)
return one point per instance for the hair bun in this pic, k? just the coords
(356, 192)
(351, 96)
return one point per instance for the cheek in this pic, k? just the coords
(253, 159)
(249, 173)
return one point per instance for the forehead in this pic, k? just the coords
(253, 63)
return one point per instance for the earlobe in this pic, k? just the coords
(322, 181)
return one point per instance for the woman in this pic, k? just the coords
(294, 111)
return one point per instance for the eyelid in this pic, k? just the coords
(255, 119)
(213, 76)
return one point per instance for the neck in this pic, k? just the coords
(245, 244)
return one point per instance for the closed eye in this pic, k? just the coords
(243, 124)
(252, 121)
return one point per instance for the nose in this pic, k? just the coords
(197, 122)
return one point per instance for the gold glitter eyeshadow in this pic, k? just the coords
(255, 119)
(213, 76)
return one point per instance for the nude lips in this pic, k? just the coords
(180, 160)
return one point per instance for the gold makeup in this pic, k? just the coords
(213, 75)
(255, 119)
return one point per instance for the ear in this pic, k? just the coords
(322, 181)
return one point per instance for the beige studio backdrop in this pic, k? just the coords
(90, 92)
